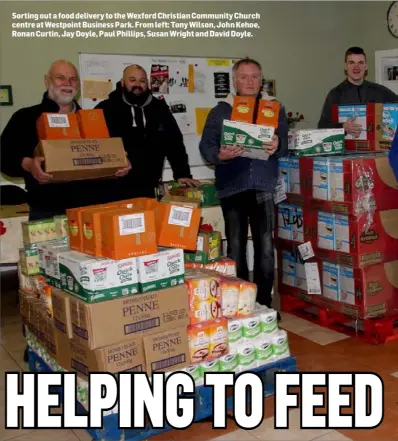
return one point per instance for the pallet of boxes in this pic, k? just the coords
(105, 288)
(337, 236)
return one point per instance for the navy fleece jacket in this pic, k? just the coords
(241, 174)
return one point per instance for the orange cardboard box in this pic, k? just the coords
(91, 227)
(52, 126)
(92, 123)
(128, 233)
(243, 109)
(75, 220)
(268, 113)
(177, 225)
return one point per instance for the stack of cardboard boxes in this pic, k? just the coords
(106, 288)
(114, 295)
(77, 146)
(343, 211)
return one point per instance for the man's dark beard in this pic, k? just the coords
(134, 98)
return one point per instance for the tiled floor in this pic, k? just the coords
(315, 348)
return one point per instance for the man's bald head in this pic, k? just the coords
(62, 82)
(135, 79)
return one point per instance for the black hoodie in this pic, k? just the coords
(19, 140)
(147, 140)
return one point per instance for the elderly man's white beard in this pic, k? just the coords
(55, 95)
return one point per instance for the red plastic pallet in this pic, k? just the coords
(375, 331)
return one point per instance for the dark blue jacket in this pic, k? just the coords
(393, 155)
(240, 174)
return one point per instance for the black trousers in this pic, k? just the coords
(238, 210)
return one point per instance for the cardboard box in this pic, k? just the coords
(61, 226)
(351, 184)
(290, 222)
(208, 248)
(340, 238)
(75, 219)
(76, 159)
(95, 279)
(160, 352)
(378, 121)
(53, 126)
(358, 292)
(58, 345)
(161, 270)
(61, 311)
(190, 202)
(38, 321)
(144, 313)
(205, 193)
(268, 113)
(128, 233)
(313, 142)
(49, 261)
(34, 232)
(92, 123)
(243, 109)
(92, 238)
(355, 241)
(167, 350)
(29, 261)
(177, 225)
(127, 356)
(249, 136)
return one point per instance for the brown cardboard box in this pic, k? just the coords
(24, 306)
(96, 325)
(69, 160)
(33, 305)
(38, 321)
(168, 350)
(58, 345)
(160, 352)
(61, 312)
(127, 356)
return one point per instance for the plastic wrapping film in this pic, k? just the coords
(365, 204)
(81, 386)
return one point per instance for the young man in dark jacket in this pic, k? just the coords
(246, 186)
(354, 90)
(19, 140)
(149, 132)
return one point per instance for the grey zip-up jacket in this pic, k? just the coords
(346, 94)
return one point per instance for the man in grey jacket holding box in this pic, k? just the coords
(246, 186)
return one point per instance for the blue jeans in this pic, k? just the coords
(238, 210)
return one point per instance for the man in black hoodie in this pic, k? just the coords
(150, 134)
(354, 90)
(19, 140)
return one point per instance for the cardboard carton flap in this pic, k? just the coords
(389, 221)
(391, 270)
(385, 172)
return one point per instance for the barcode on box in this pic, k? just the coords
(132, 224)
(168, 362)
(133, 369)
(132, 328)
(180, 216)
(79, 367)
(87, 161)
(82, 333)
(58, 120)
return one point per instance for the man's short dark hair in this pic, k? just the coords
(355, 50)
(243, 61)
